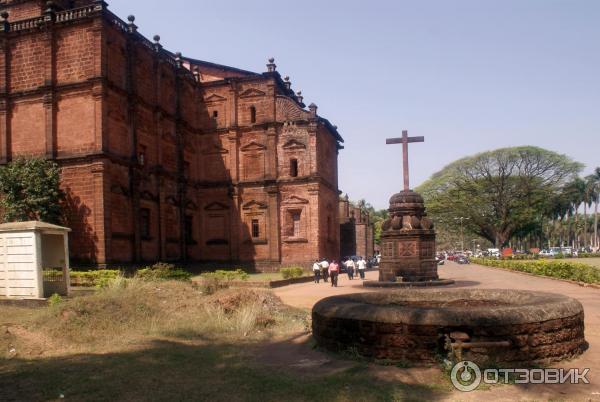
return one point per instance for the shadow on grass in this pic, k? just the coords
(173, 371)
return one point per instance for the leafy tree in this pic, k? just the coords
(377, 217)
(30, 190)
(504, 192)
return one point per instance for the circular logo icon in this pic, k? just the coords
(465, 376)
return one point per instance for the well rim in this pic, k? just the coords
(525, 307)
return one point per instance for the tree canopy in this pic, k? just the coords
(500, 193)
(30, 190)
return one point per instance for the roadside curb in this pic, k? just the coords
(266, 284)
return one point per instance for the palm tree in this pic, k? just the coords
(590, 194)
(596, 176)
(576, 194)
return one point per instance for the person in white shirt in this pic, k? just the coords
(362, 265)
(325, 269)
(317, 271)
(350, 266)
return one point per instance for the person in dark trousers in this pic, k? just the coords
(350, 268)
(334, 270)
(324, 269)
(317, 271)
(362, 266)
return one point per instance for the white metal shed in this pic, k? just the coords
(34, 260)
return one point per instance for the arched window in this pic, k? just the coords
(252, 114)
(294, 167)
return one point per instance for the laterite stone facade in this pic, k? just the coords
(357, 233)
(165, 157)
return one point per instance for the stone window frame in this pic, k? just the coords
(294, 167)
(255, 210)
(145, 223)
(289, 223)
(294, 149)
(253, 153)
(218, 210)
(142, 160)
(255, 230)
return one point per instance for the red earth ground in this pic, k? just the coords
(299, 355)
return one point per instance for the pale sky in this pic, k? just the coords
(469, 75)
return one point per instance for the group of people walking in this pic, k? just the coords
(329, 271)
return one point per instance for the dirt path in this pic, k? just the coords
(475, 276)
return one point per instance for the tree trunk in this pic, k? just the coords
(585, 227)
(596, 224)
(576, 231)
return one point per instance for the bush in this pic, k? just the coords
(30, 190)
(220, 279)
(561, 269)
(100, 278)
(291, 272)
(588, 255)
(55, 300)
(162, 271)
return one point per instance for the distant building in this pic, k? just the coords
(357, 234)
(164, 157)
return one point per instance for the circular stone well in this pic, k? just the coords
(481, 325)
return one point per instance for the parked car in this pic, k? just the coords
(547, 253)
(462, 259)
(493, 252)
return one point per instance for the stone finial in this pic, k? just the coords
(287, 83)
(100, 4)
(271, 67)
(50, 6)
(299, 96)
(4, 24)
(196, 72)
(313, 109)
(131, 25)
(157, 45)
(50, 12)
(178, 59)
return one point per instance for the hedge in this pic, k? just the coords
(291, 272)
(163, 271)
(220, 279)
(97, 278)
(561, 269)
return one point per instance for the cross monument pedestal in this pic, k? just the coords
(408, 248)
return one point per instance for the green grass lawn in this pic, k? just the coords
(595, 262)
(265, 277)
(167, 341)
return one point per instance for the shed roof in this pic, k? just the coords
(31, 225)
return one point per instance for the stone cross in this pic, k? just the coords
(404, 141)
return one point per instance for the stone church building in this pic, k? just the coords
(164, 157)
(357, 232)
